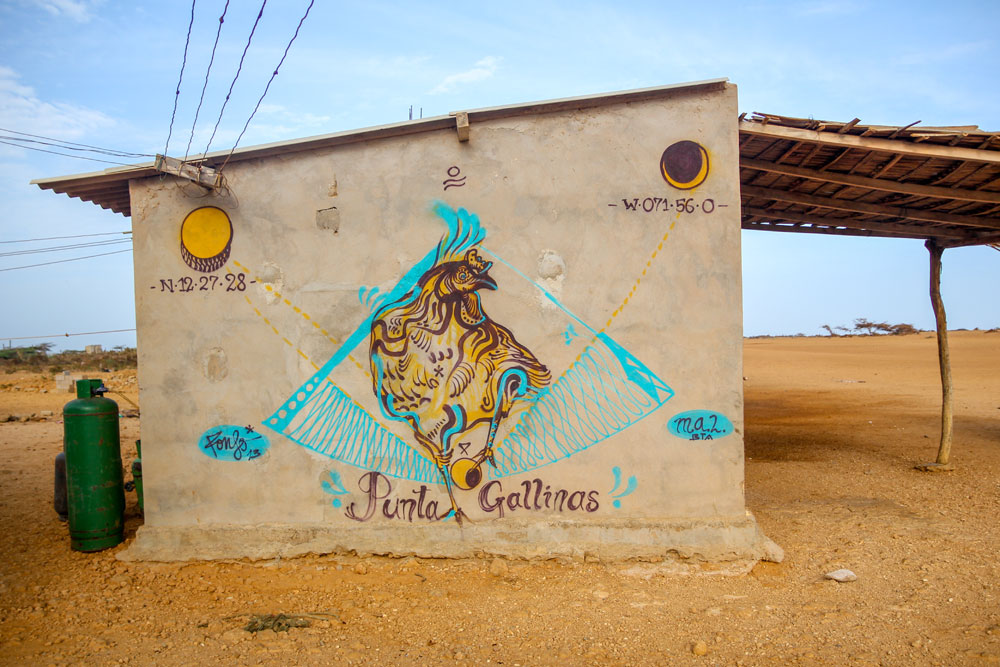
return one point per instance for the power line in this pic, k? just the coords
(66, 335)
(59, 238)
(238, 70)
(78, 157)
(208, 72)
(67, 144)
(61, 261)
(74, 246)
(268, 86)
(99, 151)
(180, 78)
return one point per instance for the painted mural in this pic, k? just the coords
(477, 402)
(440, 364)
(457, 400)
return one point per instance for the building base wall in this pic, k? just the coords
(717, 539)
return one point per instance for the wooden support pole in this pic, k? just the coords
(944, 448)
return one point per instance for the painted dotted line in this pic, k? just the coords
(638, 280)
(278, 333)
(282, 414)
(298, 311)
(631, 293)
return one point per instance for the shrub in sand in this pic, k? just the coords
(865, 327)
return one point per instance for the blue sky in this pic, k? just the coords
(104, 73)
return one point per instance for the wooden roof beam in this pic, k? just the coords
(875, 209)
(791, 149)
(871, 143)
(874, 183)
(753, 226)
(981, 240)
(887, 166)
(916, 231)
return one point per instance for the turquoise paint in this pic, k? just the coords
(700, 425)
(633, 483)
(233, 443)
(604, 392)
(334, 487)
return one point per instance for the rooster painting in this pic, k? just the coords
(442, 366)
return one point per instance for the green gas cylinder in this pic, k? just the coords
(137, 474)
(94, 483)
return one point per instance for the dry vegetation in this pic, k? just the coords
(37, 358)
(834, 427)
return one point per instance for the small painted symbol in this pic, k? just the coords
(569, 334)
(629, 488)
(335, 487)
(453, 181)
(370, 297)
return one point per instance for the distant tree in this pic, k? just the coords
(903, 329)
(865, 327)
(868, 327)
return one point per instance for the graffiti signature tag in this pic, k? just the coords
(233, 443)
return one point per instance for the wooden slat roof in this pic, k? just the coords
(822, 177)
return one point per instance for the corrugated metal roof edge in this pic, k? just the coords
(64, 184)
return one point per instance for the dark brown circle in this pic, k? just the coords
(473, 477)
(682, 164)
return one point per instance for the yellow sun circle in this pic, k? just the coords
(206, 237)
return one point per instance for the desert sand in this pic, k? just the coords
(834, 427)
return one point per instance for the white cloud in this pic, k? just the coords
(78, 10)
(483, 69)
(22, 110)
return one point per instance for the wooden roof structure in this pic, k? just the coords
(797, 174)
(821, 177)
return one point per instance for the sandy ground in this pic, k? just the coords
(834, 428)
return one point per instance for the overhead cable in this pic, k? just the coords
(61, 261)
(67, 144)
(66, 335)
(59, 238)
(78, 157)
(99, 151)
(73, 246)
(238, 70)
(180, 78)
(268, 86)
(208, 73)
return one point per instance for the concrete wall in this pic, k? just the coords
(606, 362)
